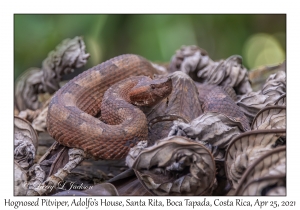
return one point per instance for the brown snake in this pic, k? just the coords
(221, 99)
(72, 114)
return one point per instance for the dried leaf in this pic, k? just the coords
(69, 54)
(251, 103)
(274, 185)
(210, 128)
(25, 143)
(275, 191)
(258, 76)
(20, 180)
(28, 85)
(36, 177)
(29, 114)
(247, 148)
(37, 117)
(48, 164)
(195, 62)
(271, 117)
(271, 164)
(39, 122)
(130, 186)
(54, 158)
(74, 158)
(281, 101)
(175, 166)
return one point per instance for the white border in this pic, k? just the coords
(154, 6)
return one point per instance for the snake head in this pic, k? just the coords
(149, 92)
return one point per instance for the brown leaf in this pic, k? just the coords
(69, 54)
(37, 117)
(25, 143)
(281, 101)
(195, 62)
(251, 103)
(271, 117)
(210, 128)
(271, 164)
(54, 158)
(245, 149)
(175, 166)
(274, 185)
(258, 76)
(130, 186)
(29, 114)
(39, 122)
(20, 180)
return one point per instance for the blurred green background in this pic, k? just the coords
(259, 39)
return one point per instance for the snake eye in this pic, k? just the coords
(152, 87)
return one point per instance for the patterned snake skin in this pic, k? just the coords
(73, 111)
(73, 114)
(221, 99)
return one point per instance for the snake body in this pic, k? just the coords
(221, 99)
(72, 113)
(109, 90)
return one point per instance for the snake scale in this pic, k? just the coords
(109, 90)
(73, 110)
(222, 99)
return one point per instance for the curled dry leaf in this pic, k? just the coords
(195, 62)
(130, 185)
(271, 164)
(56, 161)
(99, 189)
(37, 117)
(25, 143)
(69, 54)
(271, 117)
(20, 180)
(175, 166)
(182, 103)
(55, 157)
(36, 177)
(274, 185)
(279, 190)
(258, 76)
(53, 166)
(281, 101)
(251, 103)
(211, 128)
(39, 122)
(246, 148)
(29, 114)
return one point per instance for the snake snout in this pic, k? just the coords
(151, 92)
(162, 87)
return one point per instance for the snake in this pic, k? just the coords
(99, 112)
(222, 99)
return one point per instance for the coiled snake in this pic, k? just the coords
(72, 114)
(73, 111)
